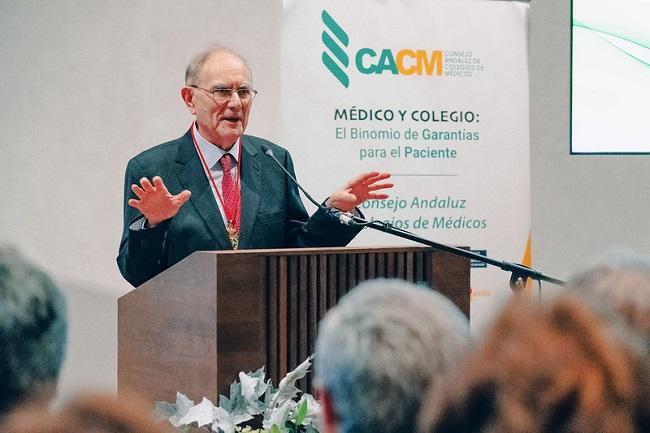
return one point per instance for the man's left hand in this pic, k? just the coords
(361, 188)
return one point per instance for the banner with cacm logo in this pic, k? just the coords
(435, 93)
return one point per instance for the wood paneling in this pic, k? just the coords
(195, 326)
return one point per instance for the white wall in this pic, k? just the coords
(86, 85)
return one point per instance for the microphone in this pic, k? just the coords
(519, 272)
(344, 218)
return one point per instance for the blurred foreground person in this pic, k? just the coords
(33, 327)
(379, 349)
(90, 414)
(621, 279)
(546, 368)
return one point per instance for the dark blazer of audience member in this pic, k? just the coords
(379, 349)
(557, 368)
(33, 327)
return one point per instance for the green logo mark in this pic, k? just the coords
(335, 49)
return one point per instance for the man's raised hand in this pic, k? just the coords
(361, 188)
(155, 202)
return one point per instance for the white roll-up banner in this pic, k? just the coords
(435, 93)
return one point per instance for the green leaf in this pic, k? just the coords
(252, 384)
(183, 405)
(275, 429)
(223, 421)
(278, 415)
(314, 411)
(202, 414)
(287, 388)
(164, 410)
(302, 413)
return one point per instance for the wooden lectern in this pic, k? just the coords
(195, 326)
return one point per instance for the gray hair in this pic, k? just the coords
(619, 279)
(33, 328)
(196, 63)
(381, 348)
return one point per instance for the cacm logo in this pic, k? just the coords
(335, 49)
(369, 61)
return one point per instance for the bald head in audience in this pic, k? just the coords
(379, 349)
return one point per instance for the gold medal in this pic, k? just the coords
(233, 235)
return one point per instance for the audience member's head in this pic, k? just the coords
(379, 349)
(621, 279)
(32, 331)
(90, 414)
(546, 368)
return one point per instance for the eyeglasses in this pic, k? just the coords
(222, 94)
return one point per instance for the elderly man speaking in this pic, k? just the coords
(215, 188)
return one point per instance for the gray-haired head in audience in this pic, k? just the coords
(379, 349)
(620, 279)
(33, 328)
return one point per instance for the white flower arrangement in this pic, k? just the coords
(249, 397)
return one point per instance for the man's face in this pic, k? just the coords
(221, 122)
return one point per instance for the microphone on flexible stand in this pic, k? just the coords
(345, 218)
(520, 273)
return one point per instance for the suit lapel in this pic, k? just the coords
(192, 176)
(251, 181)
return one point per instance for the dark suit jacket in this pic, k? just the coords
(273, 215)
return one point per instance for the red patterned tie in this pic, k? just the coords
(230, 192)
